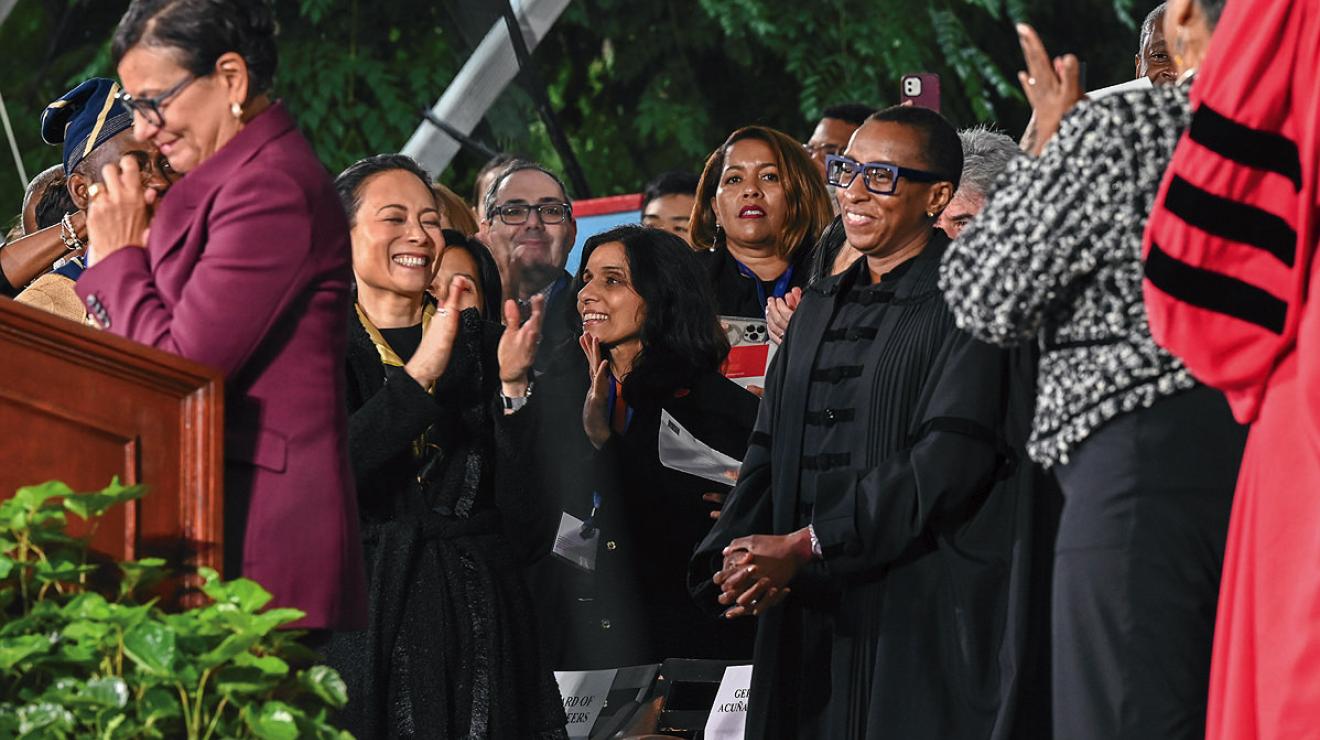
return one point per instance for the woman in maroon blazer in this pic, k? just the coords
(245, 267)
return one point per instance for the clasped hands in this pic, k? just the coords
(757, 570)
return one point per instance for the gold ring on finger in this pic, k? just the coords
(93, 190)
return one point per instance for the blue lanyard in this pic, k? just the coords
(781, 284)
(588, 528)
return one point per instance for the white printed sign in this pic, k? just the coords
(728, 716)
(572, 546)
(584, 694)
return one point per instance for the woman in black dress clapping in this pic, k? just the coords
(438, 404)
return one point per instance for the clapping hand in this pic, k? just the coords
(118, 210)
(1053, 87)
(517, 350)
(595, 410)
(778, 312)
(428, 363)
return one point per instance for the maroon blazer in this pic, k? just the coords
(247, 269)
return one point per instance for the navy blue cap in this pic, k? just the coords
(85, 118)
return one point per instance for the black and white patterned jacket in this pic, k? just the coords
(1055, 256)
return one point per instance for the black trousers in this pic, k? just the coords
(1136, 574)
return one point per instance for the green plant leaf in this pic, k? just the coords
(227, 650)
(6, 567)
(151, 646)
(87, 606)
(143, 573)
(247, 595)
(275, 721)
(32, 497)
(159, 703)
(268, 665)
(263, 623)
(233, 680)
(325, 683)
(45, 720)
(60, 569)
(109, 692)
(14, 650)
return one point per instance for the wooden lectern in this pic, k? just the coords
(80, 405)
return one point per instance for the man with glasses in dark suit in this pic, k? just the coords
(528, 220)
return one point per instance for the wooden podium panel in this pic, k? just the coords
(80, 405)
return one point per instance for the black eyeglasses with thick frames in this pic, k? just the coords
(880, 178)
(150, 108)
(515, 214)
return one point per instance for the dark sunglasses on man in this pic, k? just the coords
(880, 178)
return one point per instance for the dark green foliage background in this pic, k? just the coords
(640, 86)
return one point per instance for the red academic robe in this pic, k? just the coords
(1231, 289)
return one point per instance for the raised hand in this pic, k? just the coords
(428, 363)
(118, 210)
(1053, 86)
(595, 409)
(517, 350)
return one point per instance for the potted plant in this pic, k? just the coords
(79, 661)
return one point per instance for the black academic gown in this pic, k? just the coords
(892, 433)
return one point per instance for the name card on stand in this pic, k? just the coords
(728, 715)
(584, 695)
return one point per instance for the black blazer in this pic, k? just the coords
(636, 608)
(735, 293)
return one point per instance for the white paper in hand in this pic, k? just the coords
(572, 546)
(584, 694)
(728, 715)
(681, 451)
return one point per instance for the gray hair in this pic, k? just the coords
(518, 165)
(986, 153)
(1148, 26)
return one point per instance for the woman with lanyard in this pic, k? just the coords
(760, 206)
(439, 402)
(654, 349)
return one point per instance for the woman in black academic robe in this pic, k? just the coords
(437, 429)
(879, 530)
(654, 347)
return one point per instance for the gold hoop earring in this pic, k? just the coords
(236, 110)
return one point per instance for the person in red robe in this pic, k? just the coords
(1230, 288)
